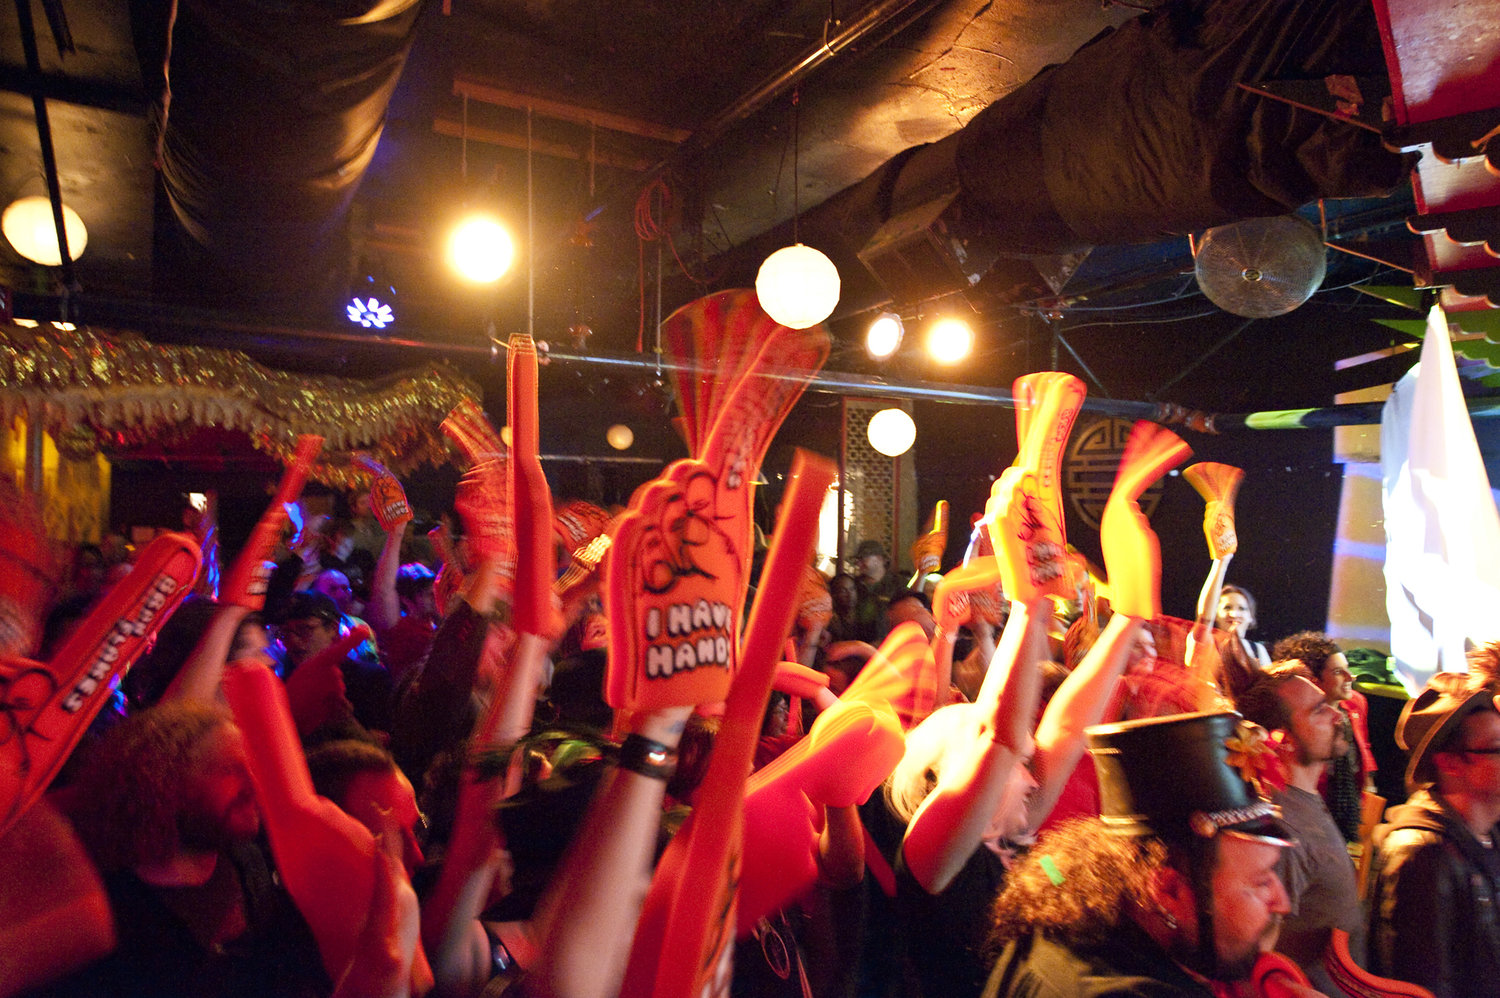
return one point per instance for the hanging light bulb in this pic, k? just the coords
(892, 432)
(884, 335)
(798, 286)
(950, 340)
(28, 225)
(480, 249)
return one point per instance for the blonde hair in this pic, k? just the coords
(926, 747)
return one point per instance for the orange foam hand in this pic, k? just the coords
(814, 603)
(470, 430)
(531, 500)
(47, 705)
(927, 550)
(1132, 553)
(1027, 536)
(1217, 484)
(1047, 405)
(482, 502)
(902, 673)
(952, 601)
(387, 497)
(852, 747)
(245, 584)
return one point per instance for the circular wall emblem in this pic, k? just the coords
(1089, 467)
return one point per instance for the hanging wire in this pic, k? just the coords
(796, 155)
(530, 238)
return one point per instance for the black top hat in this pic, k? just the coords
(1171, 777)
(1428, 721)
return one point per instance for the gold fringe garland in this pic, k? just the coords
(107, 390)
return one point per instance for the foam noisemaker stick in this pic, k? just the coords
(1217, 484)
(387, 497)
(531, 500)
(324, 857)
(47, 705)
(850, 750)
(927, 550)
(796, 679)
(246, 583)
(682, 945)
(1132, 553)
(677, 573)
(901, 673)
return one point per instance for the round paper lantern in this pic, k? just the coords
(620, 436)
(28, 226)
(798, 286)
(892, 432)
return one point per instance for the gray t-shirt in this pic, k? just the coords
(1319, 879)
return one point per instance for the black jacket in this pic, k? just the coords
(1431, 901)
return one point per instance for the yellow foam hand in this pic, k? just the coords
(1027, 536)
(953, 600)
(1132, 553)
(1217, 484)
(927, 550)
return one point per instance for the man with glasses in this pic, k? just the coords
(309, 625)
(1317, 871)
(1435, 874)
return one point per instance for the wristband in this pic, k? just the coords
(645, 757)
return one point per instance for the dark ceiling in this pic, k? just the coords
(312, 149)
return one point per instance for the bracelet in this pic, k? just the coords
(645, 757)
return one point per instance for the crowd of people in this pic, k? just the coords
(359, 774)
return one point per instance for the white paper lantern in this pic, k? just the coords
(620, 436)
(28, 226)
(892, 432)
(798, 286)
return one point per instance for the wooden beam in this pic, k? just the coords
(510, 140)
(489, 94)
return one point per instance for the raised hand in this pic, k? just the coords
(1132, 553)
(245, 585)
(927, 550)
(1217, 484)
(387, 497)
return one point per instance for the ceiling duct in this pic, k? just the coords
(273, 113)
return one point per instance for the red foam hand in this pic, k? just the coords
(852, 748)
(576, 523)
(245, 585)
(482, 503)
(468, 427)
(531, 500)
(1132, 553)
(696, 890)
(798, 680)
(814, 603)
(1217, 484)
(315, 689)
(952, 601)
(387, 497)
(47, 705)
(902, 673)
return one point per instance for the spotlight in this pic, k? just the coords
(371, 313)
(892, 432)
(28, 225)
(884, 335)
(798, 286)
(480, 249)
(950, 340)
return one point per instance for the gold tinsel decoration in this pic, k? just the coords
(106, 390)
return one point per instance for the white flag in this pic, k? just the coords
(1442, 560)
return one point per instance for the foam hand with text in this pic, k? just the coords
(852, 747)
(682, 947)
(387, 497)
(47, 705)
(245, 585)
(1132, 553)
(1024, 512)
(535, 610)
(952, 601)
(927, 550)
(814, 602)
(483, 495)
(1217, 484)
